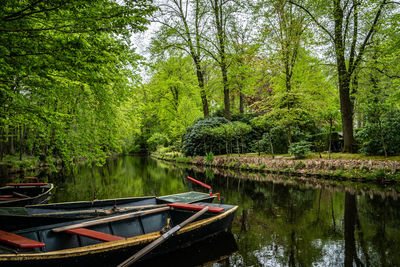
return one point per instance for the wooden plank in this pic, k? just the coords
(109, 219)
(26, 184)
(19, 241)
(195, 207)
(94, 234)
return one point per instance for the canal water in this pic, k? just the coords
(280, 221)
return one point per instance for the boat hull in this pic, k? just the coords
(42, 197)
(115, 252)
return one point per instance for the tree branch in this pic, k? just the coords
(366, 40)
(314, 19)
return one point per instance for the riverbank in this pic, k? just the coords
(352, 169)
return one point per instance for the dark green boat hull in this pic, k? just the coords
(113, 257)
(42, 196)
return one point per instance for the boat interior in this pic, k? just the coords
(46, 240)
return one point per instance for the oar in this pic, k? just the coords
(161, 239)
(109, 219)
(206, 186)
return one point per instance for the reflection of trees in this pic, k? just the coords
(382, 234)
(282, 218)
(294, 222)
(120, 177)
(350, 217)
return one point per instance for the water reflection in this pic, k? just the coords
(214, 250)
(280, 221)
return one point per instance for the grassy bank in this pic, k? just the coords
(354, 167)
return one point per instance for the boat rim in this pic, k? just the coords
(108, 199)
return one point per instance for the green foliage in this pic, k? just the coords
(300, 149)
(156, 140)
(198, 139)
(67, 68)
(209, 157)
(377, 137)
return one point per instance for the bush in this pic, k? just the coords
(370, 137)
(197, 139)
(300, 149)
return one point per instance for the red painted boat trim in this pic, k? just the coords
(195, 207)
(200, 183)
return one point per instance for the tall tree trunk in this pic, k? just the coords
(346, 110)
(346, 106)
(219, 23)
(224, 72)
(11, 132)
(241, 102)
(200, 80)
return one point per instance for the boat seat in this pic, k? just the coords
(8, 197)
(19, 241)
(94, 234)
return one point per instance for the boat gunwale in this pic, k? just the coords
(54, 205)
(48, 205)
(113, 245)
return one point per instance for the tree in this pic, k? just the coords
(220, 14)
(350, 37)
(169, 102)
(243, 72)
(64, 74)
(182, 27)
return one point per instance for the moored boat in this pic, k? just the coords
(22, 194)
(110, 241)
(15, 218)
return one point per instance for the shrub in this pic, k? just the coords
(300, 149)
(375, 135)
(209, 157)
(198, 136)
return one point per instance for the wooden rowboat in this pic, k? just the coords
(112, 240)
(15, 218)
(22, 194)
